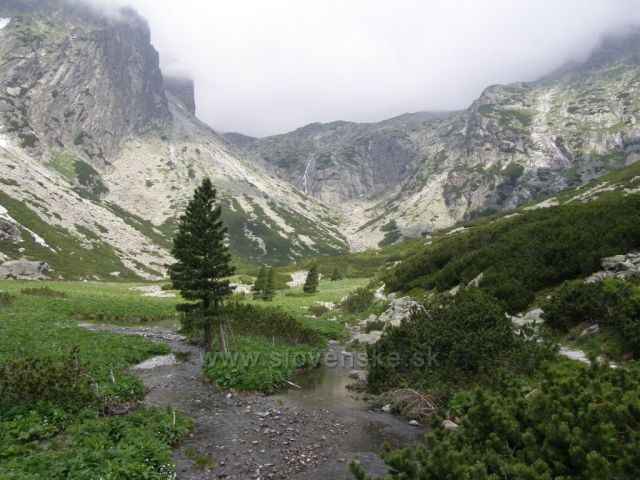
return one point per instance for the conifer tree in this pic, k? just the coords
(258, 285)
(202, 260)
(336, 275)
(269, 290)
(311, 283)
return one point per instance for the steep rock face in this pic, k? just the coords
(76, 81)
(183, 89)
(419, 172)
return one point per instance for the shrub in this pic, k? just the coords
(453, 341)
(583, 424)
(6, 299)
(318, 310)
(30, 381)
(258, 365)
(613, 304)
(43, 292)
(526, 253)
(358, 301)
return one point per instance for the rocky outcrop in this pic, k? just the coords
(9, 230)
(23, 270)
(72, 79)
(619, 266)
(183, 89)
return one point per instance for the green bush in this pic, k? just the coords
(269, 322)
(6, 299)
(527, 253)
(613, 304)
(258, 365)
(451, 342)
(26, 382)
(574, 424)
(358, 301)
(43, 292)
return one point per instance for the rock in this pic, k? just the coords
(14, 91)
(360, 375)
(23, 270)
(155, 362)
(531, 318)
(612, 263)
(386, 408)
(476, 281)
(592, 330)
(414, 423)
(368, 338)
(9, 230)
(450, 426)
(454, 290)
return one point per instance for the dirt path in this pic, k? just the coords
(258, 437)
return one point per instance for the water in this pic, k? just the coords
(326, 386)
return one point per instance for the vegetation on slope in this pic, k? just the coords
(524, 254)
(60, 382)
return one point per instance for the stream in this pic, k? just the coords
(309, 433)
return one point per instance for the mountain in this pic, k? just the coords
(99, 153)
(416, 173)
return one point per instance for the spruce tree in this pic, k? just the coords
(269, 290)
(258, 285)
(336, 275)
(202, 260)
(311, 283)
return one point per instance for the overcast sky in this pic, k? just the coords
(269, 66)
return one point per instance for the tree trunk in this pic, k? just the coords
(208, 337)
(223, 341)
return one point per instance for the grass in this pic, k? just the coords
(257, 365)
(295, 302)
(73, 438)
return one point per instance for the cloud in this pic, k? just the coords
(263, 67)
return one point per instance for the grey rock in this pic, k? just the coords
(386, 408)
(23, 270)
(531, 318)
(476, 281)
(613, 263)
(450, 426)
(589, 331)
(9, 231)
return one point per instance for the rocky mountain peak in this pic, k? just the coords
(616, 49)
(77, 80)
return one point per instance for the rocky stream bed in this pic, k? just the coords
(309, 433)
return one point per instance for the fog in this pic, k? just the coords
(265, 67)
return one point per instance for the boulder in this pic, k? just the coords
(23, 270)
(531, 318)
(450, 426)
(368, 338)
(612, 263)
(9, 231)
(592, 330)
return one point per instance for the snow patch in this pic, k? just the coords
(155, 362)
(4, 21)
(3, 142)
(154, 291)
